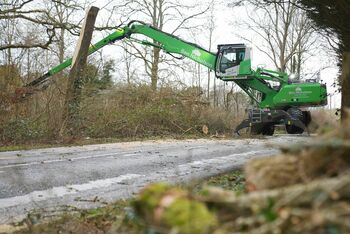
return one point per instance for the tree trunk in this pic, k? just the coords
(61, 46)
(154, 68)
(127, 72)
(70, 117)
(211, 30)
(199, 78)
(345, 87)
(214, 95)
(208, 94)
(237, 105)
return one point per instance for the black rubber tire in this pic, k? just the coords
(259, 129)
(307, 118)
(296, 114)
(268, 130)
(291, 129)
(256, 129)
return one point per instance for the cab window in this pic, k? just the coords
(230, 58)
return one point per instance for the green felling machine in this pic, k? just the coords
(275, 104)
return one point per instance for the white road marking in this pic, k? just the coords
(132, 154)
(197, 147)
(65, 159)
(64, 190)
(236, 159)
(213, 161)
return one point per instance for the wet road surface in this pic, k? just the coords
(93, 175)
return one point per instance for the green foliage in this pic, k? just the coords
(233, 181)
(20, 129)
(96, 78)
(149, 198)
(269, 213)
(332, 229)
(173, 208)
(186, 216)
(332, 17)
(106, 79)
(91, 74)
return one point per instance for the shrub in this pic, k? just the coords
(137, 111)
(20, 130)
(123, 111)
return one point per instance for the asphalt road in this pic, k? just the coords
(91, 176)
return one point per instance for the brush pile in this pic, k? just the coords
(306, 189)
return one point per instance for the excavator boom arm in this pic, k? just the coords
(117, 35)
(172, 44)
(167, 42)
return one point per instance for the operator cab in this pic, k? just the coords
(229, 58)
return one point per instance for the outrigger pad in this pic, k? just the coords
(244, 124)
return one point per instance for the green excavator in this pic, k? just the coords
(280, 104)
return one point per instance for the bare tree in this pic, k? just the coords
(31, 24)
(286, 31)
(128, 60)
(62, 13)
(27, 11)
(211, 28)
(160, 13)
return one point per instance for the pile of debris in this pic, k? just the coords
(306, 189)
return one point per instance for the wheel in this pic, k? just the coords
(307, 118)
(265, 129)
(268, 129)
(256, 129)
(295, 113)
(291, 129)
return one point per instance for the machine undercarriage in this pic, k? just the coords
(263, 121)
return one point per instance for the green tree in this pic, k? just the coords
(332, 17)
(106, 79)
(99, 78)
(91, 74)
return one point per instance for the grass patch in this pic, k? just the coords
(113, 218)
(233, 181)
(23, 147)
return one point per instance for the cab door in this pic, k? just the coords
(228, 60)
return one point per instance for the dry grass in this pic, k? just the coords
(323, 120)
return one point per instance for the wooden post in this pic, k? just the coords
(70, 117)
